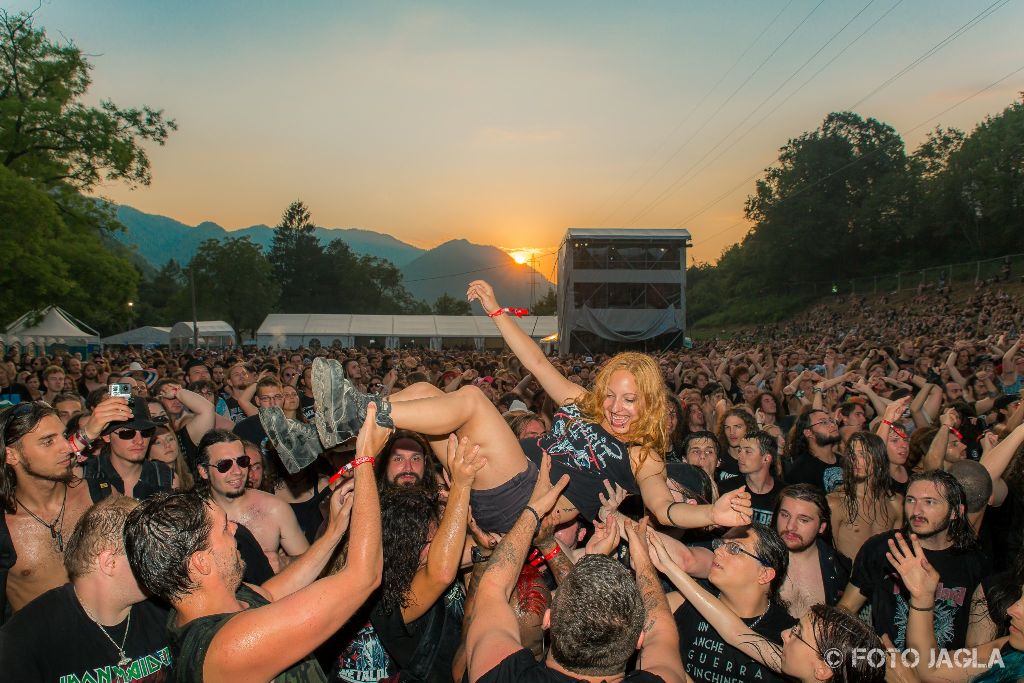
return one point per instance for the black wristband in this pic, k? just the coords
(536, 516)
(910, 604)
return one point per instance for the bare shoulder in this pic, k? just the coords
(267, 502)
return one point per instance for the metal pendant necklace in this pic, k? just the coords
(125, 659)
(57, 526)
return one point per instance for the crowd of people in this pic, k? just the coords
(840, 497)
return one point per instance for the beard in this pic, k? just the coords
(407, 480)
(231, 568)
(64, 477)
(942, 526)
(827, 440)
(231, 495)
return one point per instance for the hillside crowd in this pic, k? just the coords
(840, 497)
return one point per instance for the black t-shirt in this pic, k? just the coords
(960, 572)
(522, 667)
(588, 453)
(15, 394)
(810, 470)
(763, 503)
(235, 412)
(257, 566)
(52, 640)
(189, 450)
(708, 657)
(728, 468)
(423, 650)
(306, 407)
(191, 643)
(251, 429)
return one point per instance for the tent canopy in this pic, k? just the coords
(142, 336)
(211, 333)
(292, 330)
(54, 326)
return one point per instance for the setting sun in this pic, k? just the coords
(520, 257)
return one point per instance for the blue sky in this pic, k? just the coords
(508, 123)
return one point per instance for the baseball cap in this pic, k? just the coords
(140, 419)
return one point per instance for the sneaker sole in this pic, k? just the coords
(293, 447)
(329, 380)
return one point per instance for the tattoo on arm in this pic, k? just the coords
(652, 595)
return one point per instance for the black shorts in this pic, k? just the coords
(496, 510)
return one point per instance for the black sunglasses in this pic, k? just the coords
(129, 434)
(224, 466)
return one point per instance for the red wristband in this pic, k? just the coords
(517, 312)
(345, 469)
(536, 559)
(495, 314)
(554, 552)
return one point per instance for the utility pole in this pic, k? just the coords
(195, 317)
(533, 278)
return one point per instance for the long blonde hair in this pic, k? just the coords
(648, 430)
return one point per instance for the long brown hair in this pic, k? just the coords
(648, 430)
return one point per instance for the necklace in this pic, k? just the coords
(125, 659)
(757, 621)
(57, 526)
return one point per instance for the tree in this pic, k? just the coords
(47, 134)
(298, 261)
(234, 282)
(449, 305)
(547, 304)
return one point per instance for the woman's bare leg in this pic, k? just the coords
(469, 413)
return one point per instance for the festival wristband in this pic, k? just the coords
(536, 559)
(517, 312)
(345, 469)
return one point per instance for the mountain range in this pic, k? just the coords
(427, 273)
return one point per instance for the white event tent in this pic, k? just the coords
(147, 335)
(288, 330)
(48, 327)
(212, 333)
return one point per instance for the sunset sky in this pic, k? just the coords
(507, 123)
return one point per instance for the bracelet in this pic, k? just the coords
(554, 552)
(535, 515)
(360, 461)
(910, 604)
(517, 312)
(668, 512)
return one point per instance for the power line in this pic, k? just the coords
(681, 180)
(685, 119)
(775, 109)
(727, 101)
(938, 46)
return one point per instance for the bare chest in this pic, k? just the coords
(803, 588)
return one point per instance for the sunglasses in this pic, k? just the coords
(734, 548)
(224, 466)
(129, 434)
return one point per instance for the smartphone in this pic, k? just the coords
(121, 390)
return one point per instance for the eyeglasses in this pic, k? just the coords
(129, 434)
(826, 421)
(275, 397)
(795, 631)
(224, 466)
(734, 548)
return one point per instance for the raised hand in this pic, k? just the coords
(545, 495)
(605, 538)
(464, 461)
(917, 573)
(341, 507)
(612, 501)
(733, 508)
(480, 290)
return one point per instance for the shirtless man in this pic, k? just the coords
(42, 500)
(865, 504)
(223, 463)
(817, 573)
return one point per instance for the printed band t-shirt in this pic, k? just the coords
(708, 657)
(52, 640)
(960, 572)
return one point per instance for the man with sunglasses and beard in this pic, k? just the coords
(223, 472)
(122, 463)
(41, 503)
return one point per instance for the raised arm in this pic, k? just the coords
(560, 389)
(304, 570)
(732, 509)
(659, 653)
(446, 548)
(258, 644)
(491, 630)
(721, 618)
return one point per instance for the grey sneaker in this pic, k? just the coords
(296, 443)
(340, 409)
